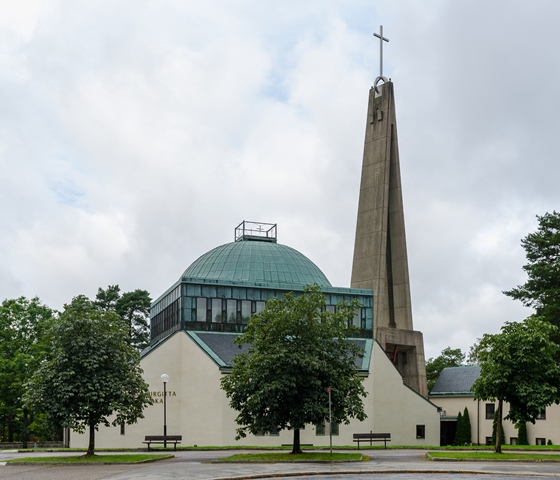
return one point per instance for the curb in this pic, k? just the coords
(148, 460)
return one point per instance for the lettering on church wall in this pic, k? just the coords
(157, 396)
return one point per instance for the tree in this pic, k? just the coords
(23, 324)
(458, 440)
(463, 433)
(522, 438)
(133, 307)
(497, 425)
(468, 429)
(296, 351)
(91, 372)
(449, 358)
(519, 366)
(542, 288)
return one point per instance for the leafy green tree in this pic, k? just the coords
(522, 438)
(519, 366)
(463, 433)
(133, 307)
(467, 438)
(296, 350)
(107, 299)
(23, 324)
(91, 372)
(542, 288)
(449, 358)
(459, 432)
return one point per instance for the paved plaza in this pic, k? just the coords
(384, 464)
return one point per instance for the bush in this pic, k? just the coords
(467, 427)
(463, 433)
(522, 434)
(459, 431)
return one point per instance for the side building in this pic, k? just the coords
(453, 393)
(192, 327)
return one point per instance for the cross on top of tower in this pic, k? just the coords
(381, 40)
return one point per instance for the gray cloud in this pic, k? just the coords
(135, 136)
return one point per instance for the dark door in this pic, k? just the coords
(447, 432)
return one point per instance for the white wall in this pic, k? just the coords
(481, 427)
(198, 409)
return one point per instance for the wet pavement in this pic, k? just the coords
(384, 464)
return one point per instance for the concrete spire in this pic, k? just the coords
(380, 255)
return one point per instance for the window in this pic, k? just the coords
(259, 307)
(357, 320)
(329, 308)
(231, 311)
(122, 428)
(420, 431)
(245, 311)
(324, 428)
(200, 309)
(217, 310)
(542, 414)
(490, 409)
(488, 440)
(513, 441)
(540, 441)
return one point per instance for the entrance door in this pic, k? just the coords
(447, 432)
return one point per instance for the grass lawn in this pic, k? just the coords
(532, 457)
(131, 458)
(288, 457)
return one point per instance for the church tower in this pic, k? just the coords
(380, 258)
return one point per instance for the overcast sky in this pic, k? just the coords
(135, 136)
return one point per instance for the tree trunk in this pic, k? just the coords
(499, 432)
(91, 446)
(297, 446)
(24, 430)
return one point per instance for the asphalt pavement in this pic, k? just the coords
(195, 465)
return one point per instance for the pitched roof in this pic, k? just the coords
(456, 381)
(219, 347)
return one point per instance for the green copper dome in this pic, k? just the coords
(256, 261)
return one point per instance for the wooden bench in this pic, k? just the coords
(174, 439)
(371, 437)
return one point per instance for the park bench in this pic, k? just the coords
(371, 437)
(174, 439)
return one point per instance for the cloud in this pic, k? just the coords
(135, 136)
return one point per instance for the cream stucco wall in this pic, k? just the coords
(198, 409)
(481, 427)
(397, 408)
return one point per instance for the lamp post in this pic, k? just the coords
(164, 379)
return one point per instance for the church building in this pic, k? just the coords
(194, 322)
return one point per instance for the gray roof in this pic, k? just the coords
(220, 348)
(456, 380)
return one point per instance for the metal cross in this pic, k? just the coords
(381, 40)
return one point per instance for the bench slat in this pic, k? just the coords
(154, 438)
(372, 435)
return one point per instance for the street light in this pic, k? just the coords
(164, 379)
